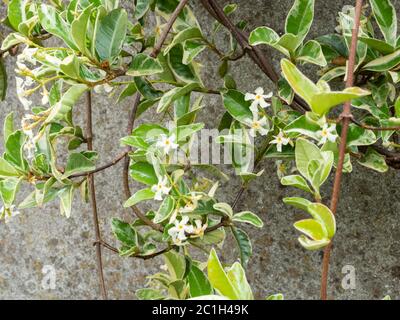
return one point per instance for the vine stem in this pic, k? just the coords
(345, 117)
(132, 116)
(92, 191)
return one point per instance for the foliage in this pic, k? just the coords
(100, 43)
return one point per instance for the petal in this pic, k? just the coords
(279, 147)
(260, 91)
(184, 220)
(249, 96)
(253, 133)
(268, 96)
(264, 104)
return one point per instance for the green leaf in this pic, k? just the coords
(66, 196)
(323, 214)
(68, 100)
(236, 105)
(285, 91)
(248, 217)
(182, 72)
(176, 264)
(3, 80)
(379, 45)
(303, 125)
(219, 279)
(53, 23)
(79, 31)
(297, 182)
(191, 50)
(305, 152)
(300, 18)
(144, 65)
(244, 245)
(224, 208)
(312, 52)
(385, 15)
(333, 74)
(8, 126)
(312, 228)
(384, 63)
(320, 101)
(111, 34)
(124, 232)
(263, 35)
(296, 202)
(360, 137)
(78, 163)
(14, 150)
(186, 34)
(238, 278)
(165, 210)
(8, 189)
(309, 244)
(139, 196)
(373, 160)
(16, 12)
(7, 170)
(198, 283)
(174, 94)
(141, 8)
(144, 173)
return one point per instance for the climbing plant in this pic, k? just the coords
(149, 53)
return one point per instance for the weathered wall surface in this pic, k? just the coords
(368, 236)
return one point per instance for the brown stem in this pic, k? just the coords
(373, 128)
(92, 191)
(345, 116)
(263, 62)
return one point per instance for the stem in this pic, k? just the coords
(346, 118)
(368, 127)
(92, 191)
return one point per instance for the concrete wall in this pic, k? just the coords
(368, 236)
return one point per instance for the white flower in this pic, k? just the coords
(200, 228)
(179, 231)
(103, 88)
(328, 133)
(161, 188)
(45, 96)
(191, 205)
(22, 94)
(167, 143)
(280, 140)
(9, 213)
(258, 99)
(27, 55)
(257, 126)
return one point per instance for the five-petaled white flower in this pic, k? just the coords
(27, 55)
(258, 99)
(9, 213)
(280, 140)
(167, 143)
(179, 231)
(328, 133)
(191, 204)
(161, 188)
(257, 126)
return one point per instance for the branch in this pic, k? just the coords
(263, 62)
(346, 117)
(92, 190)
(368, 127)
(132, 116)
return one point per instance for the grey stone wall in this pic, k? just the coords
(368, 236)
